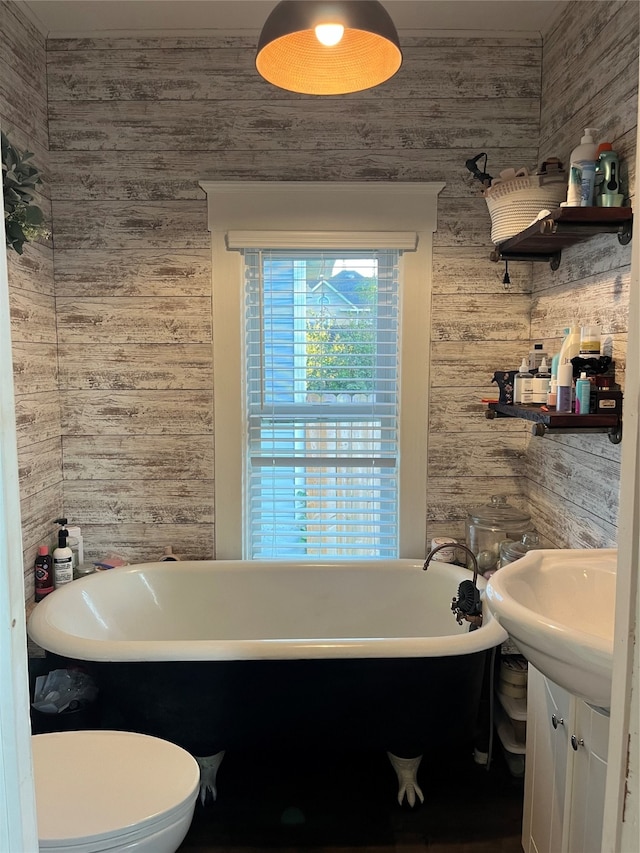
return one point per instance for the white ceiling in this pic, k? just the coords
(67, 17)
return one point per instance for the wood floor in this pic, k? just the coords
(324, 803)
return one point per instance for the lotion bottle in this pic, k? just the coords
(62, 560)
(570, 348)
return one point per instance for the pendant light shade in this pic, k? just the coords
(360, 49)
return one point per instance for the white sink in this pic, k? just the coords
(558, 607)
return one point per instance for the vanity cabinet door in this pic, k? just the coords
(549, 724)
(589, 742)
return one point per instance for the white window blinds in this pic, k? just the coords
(321, 350)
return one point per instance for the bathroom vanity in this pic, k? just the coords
(566, 770)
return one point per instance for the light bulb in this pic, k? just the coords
(329, 34)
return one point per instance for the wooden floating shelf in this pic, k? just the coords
(560, 422)
(564, 227)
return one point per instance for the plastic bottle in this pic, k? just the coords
(62, 559)
(552, 396)
(608, 191)
(587, 184)
(565, 384)
(582, 171)
(522, 386)
(77, 546)
(43, 571)
(540, 384)
(535, 356)
(583, 395)
(570, 348)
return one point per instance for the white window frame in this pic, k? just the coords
(309, 208)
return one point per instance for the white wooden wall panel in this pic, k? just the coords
(136, 365)
(23, 114)
(590, 79)
(139, 122)
(136, 272)
(155, 174)
(136, 123)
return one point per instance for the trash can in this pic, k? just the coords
(64, 700)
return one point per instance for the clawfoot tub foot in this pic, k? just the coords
(209, 765)
(407, 772)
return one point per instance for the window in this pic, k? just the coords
(321, 374)
(321, 352)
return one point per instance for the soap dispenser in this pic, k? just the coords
(62, 557)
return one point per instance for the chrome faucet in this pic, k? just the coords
(467, 605)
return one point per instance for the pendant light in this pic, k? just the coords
(328, 48)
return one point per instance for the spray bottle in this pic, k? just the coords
(583, 395)
(62, 557)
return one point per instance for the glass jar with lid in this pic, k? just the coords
(489, 525)
(511, 551)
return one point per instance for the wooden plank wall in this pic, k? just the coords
(23, 115)
(589, 79)
(134, 125)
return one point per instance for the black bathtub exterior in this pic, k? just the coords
(408, 706)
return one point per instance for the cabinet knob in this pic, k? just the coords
(575, 743)
(557, 721)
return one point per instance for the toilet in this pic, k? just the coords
(107, 791)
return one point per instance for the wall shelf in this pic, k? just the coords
(565, 226)
(551, 422)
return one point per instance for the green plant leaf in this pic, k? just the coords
(33, 215)
(23, 221)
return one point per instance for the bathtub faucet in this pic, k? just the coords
(467, 605)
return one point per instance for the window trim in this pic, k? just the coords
(347, 207)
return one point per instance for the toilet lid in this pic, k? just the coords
(92, 784)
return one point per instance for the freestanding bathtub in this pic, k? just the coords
(217, 655)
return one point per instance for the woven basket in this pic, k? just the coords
(515, 204)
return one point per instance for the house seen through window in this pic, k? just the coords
(321, 366)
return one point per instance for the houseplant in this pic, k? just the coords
(23, 220)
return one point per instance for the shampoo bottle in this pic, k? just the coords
(62, 559)
(43, 571)
(522, 386)
(582, 171)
